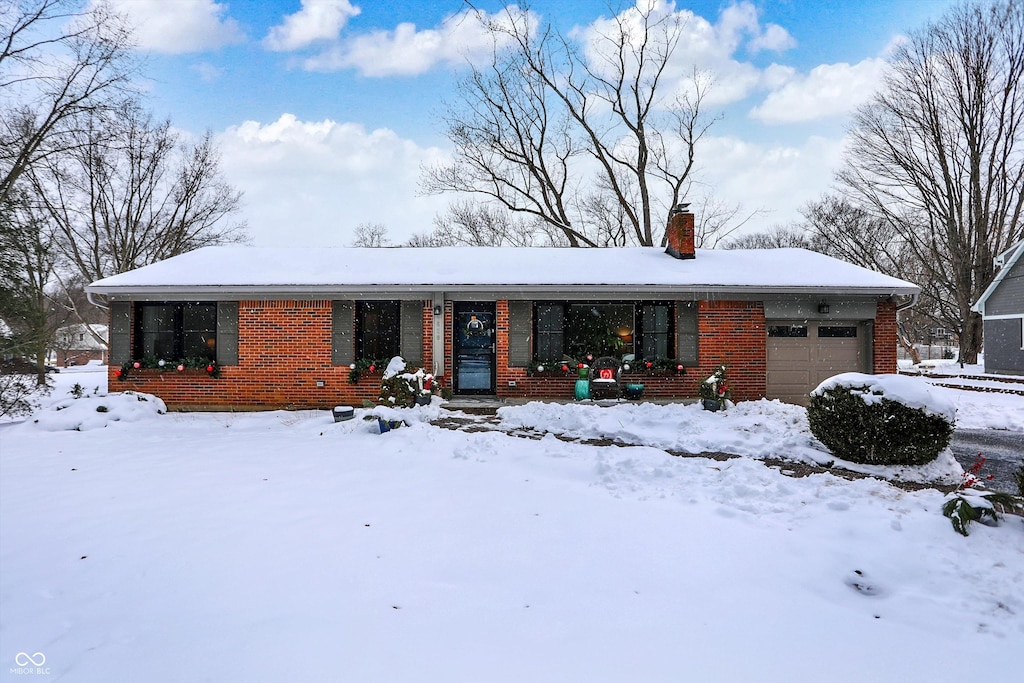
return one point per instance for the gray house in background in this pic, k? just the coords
(1002, 306)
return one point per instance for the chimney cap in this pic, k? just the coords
(680, 208)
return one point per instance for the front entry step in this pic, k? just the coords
(476, 405)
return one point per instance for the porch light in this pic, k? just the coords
(823, 308)
(438, 310)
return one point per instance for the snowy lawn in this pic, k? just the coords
(282, 546)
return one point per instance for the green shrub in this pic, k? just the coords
(400, 389)
(1019, 477)
(877, 431)
(397, 391)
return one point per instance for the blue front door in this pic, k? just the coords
(474, 348)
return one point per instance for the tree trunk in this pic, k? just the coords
(908, 346)
(970, 339)
(41, 366)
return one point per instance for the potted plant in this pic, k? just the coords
(714, 391)
(400, 388)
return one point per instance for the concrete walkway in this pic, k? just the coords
(488, 405)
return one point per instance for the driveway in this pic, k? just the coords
(1003, 450)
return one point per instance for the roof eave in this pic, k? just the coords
(1005, 267)
(219, 291)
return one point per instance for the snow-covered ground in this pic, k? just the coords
(282, 546)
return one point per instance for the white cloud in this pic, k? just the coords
(710, 47)
(208, 73)
(774, 37)
(776, 178)
(828, 90)
(309, 183)
(408, 51)
(318, 20)
(180, 26)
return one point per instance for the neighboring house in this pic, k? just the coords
(76, 345)
(1002, 306)
(286, 326)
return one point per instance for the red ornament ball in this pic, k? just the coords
(181, 368)
(679, 368)
(118, 373)
(565, 368)
(136, 365)
(372, 368)
(580, 366)
(209, 368)
(649, 364)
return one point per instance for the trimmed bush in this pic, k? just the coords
(400, 389)
(880, 419)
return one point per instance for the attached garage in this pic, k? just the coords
(800, 355)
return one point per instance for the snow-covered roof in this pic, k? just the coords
(77, 336)
(1006, 260)
(314, 270)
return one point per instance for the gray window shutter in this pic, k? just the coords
(120, 332)
(342, 332)
(227, 333)
(412, 333)
(520, 328)
(686, 332)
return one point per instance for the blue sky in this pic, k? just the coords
(326, 109)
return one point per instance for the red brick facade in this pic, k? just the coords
(885, 341)
(733, 333)
(284, 350)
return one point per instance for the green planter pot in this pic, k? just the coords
(634, 391)
(582, 389)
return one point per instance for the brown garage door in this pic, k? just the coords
(802, 355)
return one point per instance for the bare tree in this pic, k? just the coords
(56, 64)
(838, 228)
(775, 237)
(370, 235)
(130, 192)
(551, 121)
(474, 224)
(937, 154)
(716, 219)
(27, 264)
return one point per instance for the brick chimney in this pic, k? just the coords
(680, 233)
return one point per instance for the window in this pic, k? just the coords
(378, 326)
(603, 329)
(655, 331)
(550, 337)
(176, 331)
(599, 329)
(837, 331)
(787, 330)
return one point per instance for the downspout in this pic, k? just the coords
(97, 304)
(910, 304)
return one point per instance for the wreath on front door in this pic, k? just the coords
(475, 327)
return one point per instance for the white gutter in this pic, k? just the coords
(311, 291)
(88, 295)
(910, 304)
